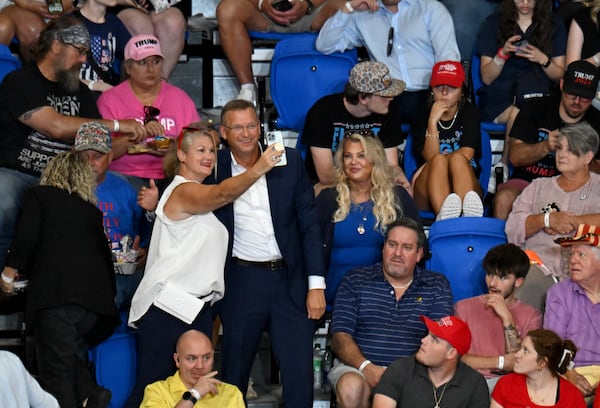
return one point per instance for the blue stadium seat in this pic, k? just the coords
(8, 62)
(114, 362)
(458, 246)
(485, 162)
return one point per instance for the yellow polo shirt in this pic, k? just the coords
(167, 393)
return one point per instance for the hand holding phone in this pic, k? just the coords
(282, 5)
(276, 137)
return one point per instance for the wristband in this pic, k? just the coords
(349, 7)
(596, 59)
(116, 126)
(11, 280)
(91, 84)
(498, 61)
(547, 220)
(501, 55)
(195, 393)
(363, 365)
(260, 3)
(432, 136)
(500, 363)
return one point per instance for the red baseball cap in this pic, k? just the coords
(449, 73)
(453, 330)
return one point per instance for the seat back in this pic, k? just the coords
(534, 288)
(114, 362)
(300, 75)
(458, 246)
(8, 62)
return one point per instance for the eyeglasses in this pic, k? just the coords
(239, 128)
(151, 114)
(390, 41)
(148, 61)
(572, 97)
(523, 1)
(81, 51)
(195, 129)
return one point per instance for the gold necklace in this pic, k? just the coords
(435, 398)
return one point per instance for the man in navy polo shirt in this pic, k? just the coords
(376, 313)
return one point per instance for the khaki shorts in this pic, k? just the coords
(340, 369)
(591, 373)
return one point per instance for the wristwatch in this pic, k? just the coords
(311, 7)
(187, 396)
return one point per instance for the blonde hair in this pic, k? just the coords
(385, 207)
(71, 173)
(594, 9)
(171, 163)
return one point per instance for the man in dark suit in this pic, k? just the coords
(275, 271)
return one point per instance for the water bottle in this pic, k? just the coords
(326, 363)
(317, 373)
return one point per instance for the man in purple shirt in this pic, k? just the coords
(573, 306)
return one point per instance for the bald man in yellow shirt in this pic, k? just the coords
(194, 384)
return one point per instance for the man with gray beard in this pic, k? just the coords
(41, 107)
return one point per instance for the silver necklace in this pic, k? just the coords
(435, 398)
(451, 123)
(361, 209)
(406, 285)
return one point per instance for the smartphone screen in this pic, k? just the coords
(276, 136)
(55, 6)
(282, 5)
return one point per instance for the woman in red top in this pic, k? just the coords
(536, 381)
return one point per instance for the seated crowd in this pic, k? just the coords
(103, 160)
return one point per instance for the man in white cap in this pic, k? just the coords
(363, 108)
(573, 306)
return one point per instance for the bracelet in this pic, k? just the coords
(498, 61)
(547, 220)
(349, 7)
(547, 63)
(501, 55)
(596, 59)
(116, 126)
(363, 365)
(91, 84)
(7, 279)
(435, 136)
(260, 3)
(500, 363)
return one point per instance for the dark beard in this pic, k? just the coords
(68, 80)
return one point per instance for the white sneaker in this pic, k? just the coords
(472, 205)
(248, 93)
(451, 208)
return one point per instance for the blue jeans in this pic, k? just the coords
(13, 185)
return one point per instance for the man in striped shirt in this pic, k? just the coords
(376, 313)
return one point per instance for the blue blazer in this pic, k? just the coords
(295, 221)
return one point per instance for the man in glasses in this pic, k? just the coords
(408, 36)
(534, 136)
(41, 107)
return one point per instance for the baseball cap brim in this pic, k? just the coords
(396, 88)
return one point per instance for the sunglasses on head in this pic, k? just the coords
(192, 129)
(151, 114)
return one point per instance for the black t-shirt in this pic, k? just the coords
(328, 121)
(464, 132)
(591, 33)
(23, 148)
(530, 126)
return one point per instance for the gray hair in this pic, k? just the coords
(582, 138)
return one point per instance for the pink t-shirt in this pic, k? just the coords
(177, 110)
(486, 327)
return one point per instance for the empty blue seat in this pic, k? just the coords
(8, 62)
(458, 246)
(114, 362)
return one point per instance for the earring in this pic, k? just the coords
(539, 367)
